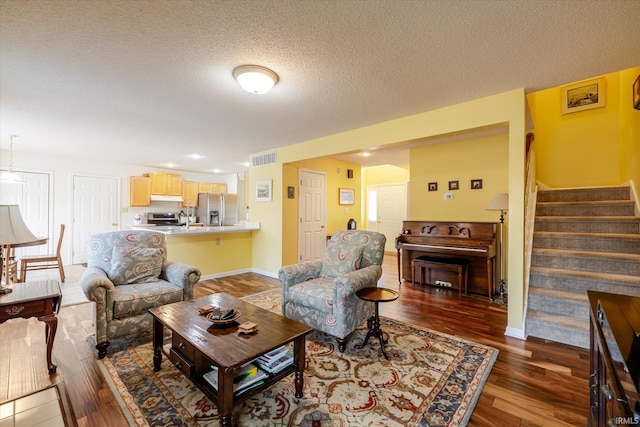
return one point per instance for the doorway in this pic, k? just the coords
(96, 207)
(312, 233)
(386, 210)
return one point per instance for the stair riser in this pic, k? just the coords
(593, 226)
(582, 195)
(592, 264)
(581, 285)
(587, 243)
(564, 335)
(585, 210)
(558, 306)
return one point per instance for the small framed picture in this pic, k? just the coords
(347, 196)
(432, 186)
(263, 190)
(583, 96)
(476, 184)
(291, 192)
(453, 185)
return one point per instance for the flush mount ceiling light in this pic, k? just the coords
(255, 79)
(10, 176)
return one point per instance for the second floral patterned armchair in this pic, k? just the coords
(322, 293)
(128, 273)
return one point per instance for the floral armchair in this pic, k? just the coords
(322, 293)
(128, 273)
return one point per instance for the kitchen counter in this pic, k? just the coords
(172, 230)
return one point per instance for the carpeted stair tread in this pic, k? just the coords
(622, 279)
(564, 234)
(595, 193)
(588, 224)
(564, 295)
(586, 254)
(593, 242)
(572, 218)
(567, 322)
(589, 208)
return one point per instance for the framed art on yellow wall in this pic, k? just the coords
(583, 96)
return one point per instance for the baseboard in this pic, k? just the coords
(225, 274)
(515, 333)
(265, 273)
(244, 270)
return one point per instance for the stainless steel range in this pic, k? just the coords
(164, 218)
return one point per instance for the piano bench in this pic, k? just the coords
(447, 264)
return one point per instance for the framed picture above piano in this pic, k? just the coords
(453, 185)
(432, 186)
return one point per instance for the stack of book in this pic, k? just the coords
(275, 360)
(246, 377)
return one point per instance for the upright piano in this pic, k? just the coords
(474, 242)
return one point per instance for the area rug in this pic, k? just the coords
(431, 379)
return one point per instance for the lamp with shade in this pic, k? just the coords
(13, 231)
(500, 202)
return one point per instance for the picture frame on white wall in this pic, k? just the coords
(263, 190)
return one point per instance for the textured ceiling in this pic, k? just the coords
(149, 81)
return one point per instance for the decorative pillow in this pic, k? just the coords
(135, 265)
(340, 258)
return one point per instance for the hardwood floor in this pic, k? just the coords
(533, 382)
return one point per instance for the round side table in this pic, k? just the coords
(376, 295)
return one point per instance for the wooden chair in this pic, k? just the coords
(43, 262)
(12, 274)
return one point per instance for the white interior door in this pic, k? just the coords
(312, 234)
(96, 207)
(386, 209)
(33, 197)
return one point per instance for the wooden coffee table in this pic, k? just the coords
(196, 345)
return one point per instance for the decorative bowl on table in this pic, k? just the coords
(223, 322)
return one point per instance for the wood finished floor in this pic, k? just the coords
(533, 383)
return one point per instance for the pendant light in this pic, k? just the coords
(255, 79)
(10, 176)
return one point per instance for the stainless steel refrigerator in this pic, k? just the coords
(216, 209)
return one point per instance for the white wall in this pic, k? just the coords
(64, 168)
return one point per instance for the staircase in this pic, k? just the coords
(584, 239)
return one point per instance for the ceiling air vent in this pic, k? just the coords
(263, 159)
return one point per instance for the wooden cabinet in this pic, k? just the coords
(189, 193)
(615, 359)
(168, 184)
(212, 187)
(140, 190)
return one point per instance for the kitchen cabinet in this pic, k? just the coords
(190, 193)
(168, 184)
(140, 191)
(212, 187)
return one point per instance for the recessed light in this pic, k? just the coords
(365, 154)
(196, 156)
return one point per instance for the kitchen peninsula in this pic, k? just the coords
(216, 251)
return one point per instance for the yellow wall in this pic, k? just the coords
(629, 130)
(483, 158)
(596, 147)
(379, 175)
(506, 108)
(232, 253)
(290, 215)
(387, 174)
